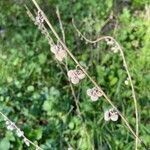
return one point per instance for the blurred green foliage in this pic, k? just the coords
(36, 95)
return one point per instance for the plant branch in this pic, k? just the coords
(6, 118)
(60, 23)
(127, 71)
(90, 78)
(66, 63)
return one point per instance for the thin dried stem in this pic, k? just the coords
(6, 118)
(71, 87)
(60, 22)
(127, 71)
(73, 93)
(66, 62)
(84, 71)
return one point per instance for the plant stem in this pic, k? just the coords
(90, 78)
(6, 118)
(127, 71)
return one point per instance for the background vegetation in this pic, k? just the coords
(36, 95)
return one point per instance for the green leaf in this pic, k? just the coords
(42, 58)
(10, 136)
(54, 92)
(71, 125)
(37, 133)
(16, 61)
(113, 81)
(30, 88)
(4, 144)
(47, 106)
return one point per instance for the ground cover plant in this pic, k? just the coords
(37, 91)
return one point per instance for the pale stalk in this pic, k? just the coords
(6, 118)
(127, 71)
(75, 60)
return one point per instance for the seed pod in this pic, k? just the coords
(111, 114)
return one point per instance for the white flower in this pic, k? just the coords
(106, 115)
(115, 49)
(80, 74)
(114, 117)
(39, 18)
(26, 141)
(61, 55)
(75, 76)
(109, 42)
(7, 122)
(126, 82)
(98, 93)
(19, 133)
(59, 52)
(111, 114)
(54, 49)
(94, 98)
(10, 125)
(94, 94)
(70, 148)
(70, 73)
(88, 92)
(75, 80)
